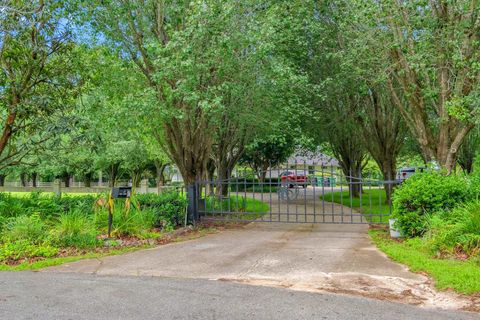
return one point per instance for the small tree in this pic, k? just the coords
(266, 152)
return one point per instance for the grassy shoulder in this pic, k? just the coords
(371, 204)
(461, 276)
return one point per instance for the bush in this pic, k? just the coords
(133, 223)
(83, 203)
(423, 195)
(29, 228)
(74, 229)
(456, 230)
(168, 208)
(24, 249)
(10, 206)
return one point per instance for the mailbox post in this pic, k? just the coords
(116, 193)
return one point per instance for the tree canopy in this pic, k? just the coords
(129, 87)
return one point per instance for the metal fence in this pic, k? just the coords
(318, 195)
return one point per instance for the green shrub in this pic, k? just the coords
(84, 203)
(74, 229)
(423, 195)
(45, 205)
(135, 223)
(30, 228)
(24, 249)
(10, 206)
(168, 208)
(169, 215)
(458, 229)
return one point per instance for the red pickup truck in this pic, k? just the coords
(293, 179)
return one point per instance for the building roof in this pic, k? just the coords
(313, 158)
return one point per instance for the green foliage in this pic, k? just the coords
(372, 204)
(24, 249)
(456, 231)
(462, 276)
(268, 151)
(74, 229)
(169, 208)
(423, 195)
(39, 76)
(134, 223)
(43, 204)
(244, 208)
(28, 228)
(254, 185)
(39, 223)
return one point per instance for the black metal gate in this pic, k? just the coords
(292, 195)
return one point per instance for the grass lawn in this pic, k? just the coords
(235, 208)
(461, 276)
(372, 203)
(256, 189)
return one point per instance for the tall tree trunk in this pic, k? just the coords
(353, 176)
(2, 180)
(88, 179)
(383, 131)
(189, 150)
(23, 179)
(389, 172)
(66, 179)
(210, 177)
(34, 179)
(160, 173)
(350, 154)
(223, 182)
(113, 174)
(262, 172)
(229, 147)
(136, 176)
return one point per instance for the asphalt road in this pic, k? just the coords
(29, 295)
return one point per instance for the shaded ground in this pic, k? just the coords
(27, 295)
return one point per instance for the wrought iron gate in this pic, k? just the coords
(295, 196)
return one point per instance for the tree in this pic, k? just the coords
(428, 52)
(182, 49)
(267, 152)
(347, 146)
(383, 131)
(38, 79)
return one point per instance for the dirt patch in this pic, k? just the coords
(419, 293)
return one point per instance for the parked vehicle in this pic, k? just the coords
(405, 173)
(294, 179)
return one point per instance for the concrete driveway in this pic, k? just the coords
(306, 257)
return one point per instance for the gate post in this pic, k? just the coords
(192, 208)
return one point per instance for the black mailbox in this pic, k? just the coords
(121, 192)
